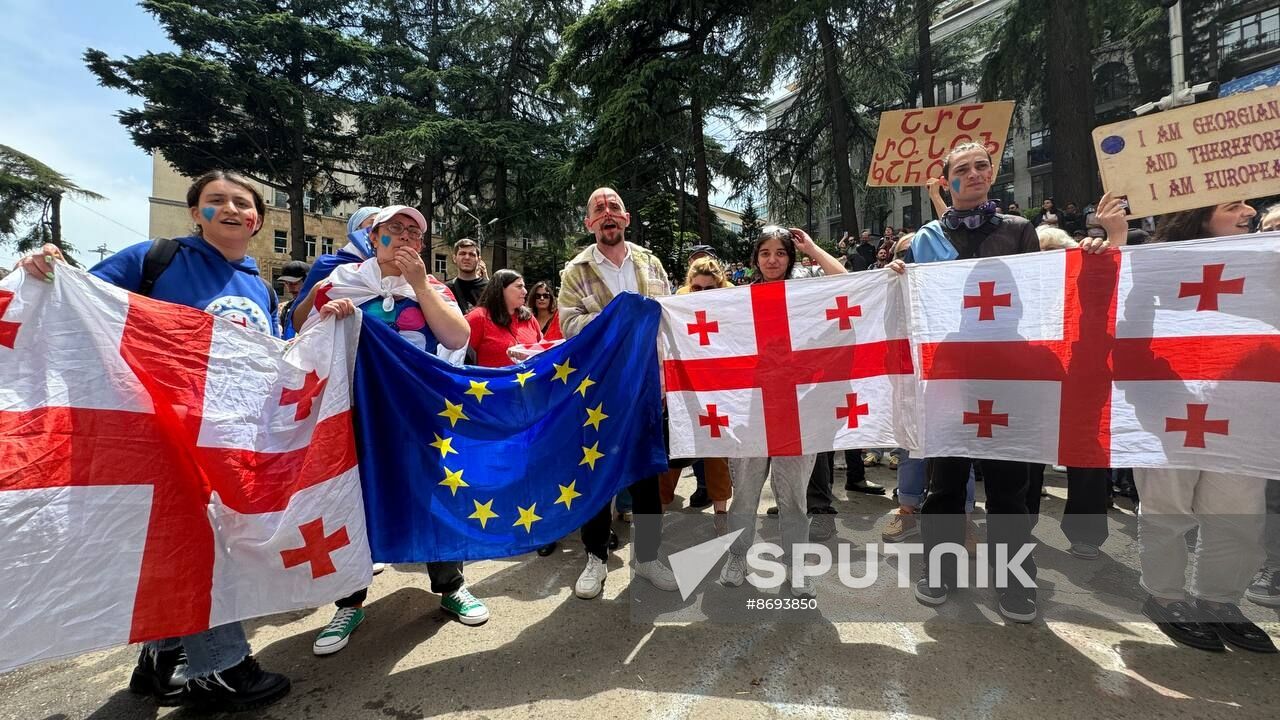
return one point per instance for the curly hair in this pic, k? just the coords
(706, 266)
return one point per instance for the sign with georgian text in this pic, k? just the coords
(912, 143)
(1195, 156)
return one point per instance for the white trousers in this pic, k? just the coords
(789, 477)
(1228, 509)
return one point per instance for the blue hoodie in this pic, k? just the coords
(199, 277)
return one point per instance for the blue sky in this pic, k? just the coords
(55, 111)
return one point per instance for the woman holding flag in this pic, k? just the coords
(774, 258)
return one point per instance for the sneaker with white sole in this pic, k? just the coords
(466, 607)
(734, 570)
(337, 633)
(658, 575)
(591, 581)
(379, 567)
(806, 589)
(1265, 588)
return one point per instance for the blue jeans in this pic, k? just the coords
(622, 503)
(912, 483)
(211, 651)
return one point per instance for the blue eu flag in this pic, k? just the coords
(472, 463)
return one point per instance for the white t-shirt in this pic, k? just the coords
(618, 279)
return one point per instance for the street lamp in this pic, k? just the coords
(479, 225)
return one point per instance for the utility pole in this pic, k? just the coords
(1179, 94)
(103, 252)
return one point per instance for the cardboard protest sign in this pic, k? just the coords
(1195, 156)
(912, 143)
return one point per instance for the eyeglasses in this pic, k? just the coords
(409, 231)
(542, 296)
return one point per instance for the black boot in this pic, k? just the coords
(157, 674)
(245, 686)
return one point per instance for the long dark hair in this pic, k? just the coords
(532, 302)
(1183, 225)
(492, 298)
(197, 187)
(770, 232)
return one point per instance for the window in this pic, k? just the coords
(1112, 82)
(311, 246)
(282, 242)
(308, 201)
(1006, 160)
(1251, 33)
(326, 245)
(1041, 150)
(279, 199)
(1003, 194)
(1041, 188)
(440, 266)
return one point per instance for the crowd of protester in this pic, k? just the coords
(479, 317)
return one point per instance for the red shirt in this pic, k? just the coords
(552, 330)
(490, 340)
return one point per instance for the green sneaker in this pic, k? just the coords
(335, 635)
(463, 605)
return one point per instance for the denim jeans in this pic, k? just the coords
(912, 483)
(211, 651)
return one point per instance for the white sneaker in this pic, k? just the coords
(591, 581)
(379, 567)
(734, 571)
(658, 575)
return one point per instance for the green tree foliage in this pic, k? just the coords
(652, 79)
(258, 86)
(31, 202)
(458, 115)
(751, 224)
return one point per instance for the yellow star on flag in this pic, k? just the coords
(453, 480)
(484, 513)
(590, 455)
(594, 416)
(479, 390)
(453, 412)
(444, 445)
(527, 517)
(523, 377)
(563, 371)
(586, 383)
(567, 494)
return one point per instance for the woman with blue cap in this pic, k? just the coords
(356, 250)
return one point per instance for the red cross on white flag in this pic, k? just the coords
(160, 469)
(1155, 356)
(790, 368)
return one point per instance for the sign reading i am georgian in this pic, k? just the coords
(1195, 156)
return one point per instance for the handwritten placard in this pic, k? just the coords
(1195, 156)
(911, 144)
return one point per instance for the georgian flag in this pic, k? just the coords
(163, 471)
(1155, 356)
(789, 368)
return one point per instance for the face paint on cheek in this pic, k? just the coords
(385, 240)
(251, 219)
(207, 213)
(955, 185)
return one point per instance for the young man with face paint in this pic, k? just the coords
(209, 272)
(589, 282)
(972, 228)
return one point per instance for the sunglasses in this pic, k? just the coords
(541, 296)
(409, 231)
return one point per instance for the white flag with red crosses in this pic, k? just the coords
(789, 368)
(1156, 356)
(163, 471)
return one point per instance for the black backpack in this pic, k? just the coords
(158, 259)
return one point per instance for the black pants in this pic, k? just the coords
(446, 577)
(1085, 517)
(819, 495)
(942, 517)
(646, 528)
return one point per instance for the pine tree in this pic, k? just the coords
(30, 189)
(262, 87)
